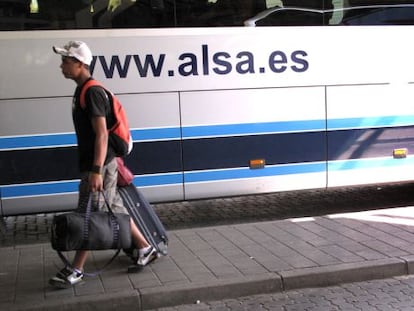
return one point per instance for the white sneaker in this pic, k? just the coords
(66, 278)
(148, 257)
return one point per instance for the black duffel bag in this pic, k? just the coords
(91, 230)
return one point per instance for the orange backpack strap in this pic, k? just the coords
(86, 87)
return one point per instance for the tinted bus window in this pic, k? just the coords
(336, 12)
(89, 14)
(380, 16)
(292, 17)
(218, 12)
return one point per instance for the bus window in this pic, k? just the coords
(16, 15)
(75, 14)
(292, 17)
(336, 12)
(380, 16)
(295, 13)
(90, 14)
(139, 14)
(213, 13)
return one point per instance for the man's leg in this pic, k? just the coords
(139, 239)
(69, 276)
(147, 253)
(84, 194)
(79, 260)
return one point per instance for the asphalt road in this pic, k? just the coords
(393, 294)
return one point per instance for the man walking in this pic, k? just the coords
(97, 161)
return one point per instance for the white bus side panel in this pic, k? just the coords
(38, 116)
(255, 185)
(381, 108)
(263, 110)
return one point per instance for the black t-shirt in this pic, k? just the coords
(97, 104)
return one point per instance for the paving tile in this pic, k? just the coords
(385, 248)
(114, 280)
(144, 279)
(167, 271)
(341, 253)
(363, 251)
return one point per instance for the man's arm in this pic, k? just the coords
(101, 147)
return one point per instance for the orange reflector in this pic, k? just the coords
(400, 153)
(257, 163)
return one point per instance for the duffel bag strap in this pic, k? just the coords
(115, 225)
(91, 274)
(114, 222)
(115, 232)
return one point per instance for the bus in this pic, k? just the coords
(224, 97)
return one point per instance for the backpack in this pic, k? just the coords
(119, 135)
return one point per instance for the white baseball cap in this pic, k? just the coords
(76, 49)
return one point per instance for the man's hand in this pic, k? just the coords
(95, 182)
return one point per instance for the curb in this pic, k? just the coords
(152, 298)
(176, 294)
(277, 282)
(344, 273)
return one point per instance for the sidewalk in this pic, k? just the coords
(218, 262)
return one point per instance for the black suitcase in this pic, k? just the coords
(145, 218)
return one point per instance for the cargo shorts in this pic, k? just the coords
(110, 178)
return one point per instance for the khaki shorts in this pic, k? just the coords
(110, 178)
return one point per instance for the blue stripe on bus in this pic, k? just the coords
(37, 141)
(245, 172)
(189, 132)
(219, 153)
(342, 165)
(368, 122)
(63, 140)
(14, 191)
(171, 133)
(38, 189)
(49, 188)
(158, 180)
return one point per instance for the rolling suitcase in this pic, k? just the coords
(146, 220)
